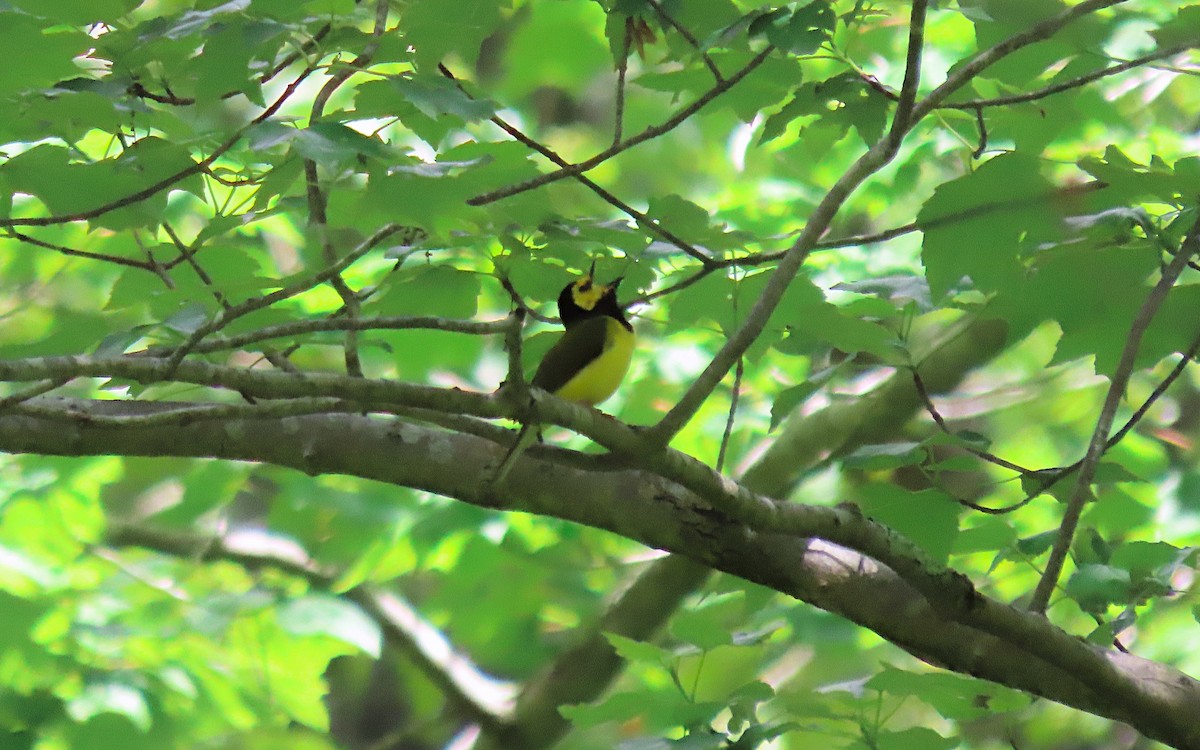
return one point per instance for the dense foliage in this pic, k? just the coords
(911, 408)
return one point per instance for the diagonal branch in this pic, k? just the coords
(689, 37)
(872, 161)
(1076, 82)
(166, 182)
(649, 133)
(902, 120)
(643, 219)
(485, 698)
(1036, 33)
(875, 158)
(115, 259)
(1116, 391)
(228, 315)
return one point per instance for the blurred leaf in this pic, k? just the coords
(710, 623)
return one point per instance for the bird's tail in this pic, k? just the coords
(527, 436)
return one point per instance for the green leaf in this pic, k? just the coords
(1130, 181)
(711, 622)
(436, 28)
(68, 187)
(1095, 587)
(638, 652)
(557, 45)
(885, 456)
(1032, 546)
(433, 290)
(928, 518)
(788, 399)
(978, 226)
(916, 738)
(334, 143)
(801, 31)
(433, 97)
(1183, 28)
(656, 708)
(955, 697)
(35, 56)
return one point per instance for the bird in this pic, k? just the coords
(588, 362)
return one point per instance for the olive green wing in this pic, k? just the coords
(579, 345)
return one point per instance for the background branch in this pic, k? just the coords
(1108, 411)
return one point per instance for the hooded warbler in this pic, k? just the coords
(588, 362)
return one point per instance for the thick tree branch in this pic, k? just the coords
(802, 444)
(987, 639)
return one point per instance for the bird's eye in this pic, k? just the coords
(584, 284)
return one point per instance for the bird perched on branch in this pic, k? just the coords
(589, 361)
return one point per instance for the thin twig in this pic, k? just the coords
(163, 184)
(1074, 83)
(37, 389)
(919, 384)
(317, 201)
(902, 119)
(188, 254)
(622, 69)
(117, 260)
(649, 133)
(181, 417)
(139, 90)
(340, 323)
(643, 219)
(733, 405)
(985, 59)
(981, 124)
(689, 37)
(227, 316)
(1112, 400)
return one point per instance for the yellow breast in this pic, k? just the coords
(600, 377)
